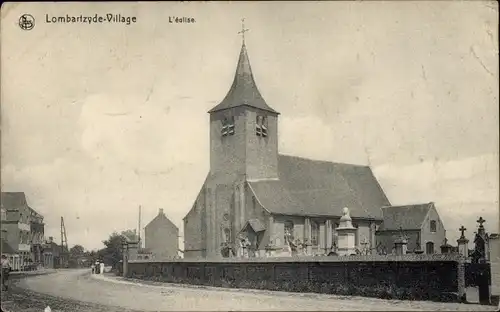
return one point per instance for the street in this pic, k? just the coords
(78, 290)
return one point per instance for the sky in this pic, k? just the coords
(97, 119)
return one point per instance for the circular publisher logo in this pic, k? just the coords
(26, 22)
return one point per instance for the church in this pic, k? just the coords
(269, 201)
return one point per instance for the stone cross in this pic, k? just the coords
(364, 243)
(445, 241)
(243, 30)
(462, 229)
(402, 233)
(481, 221)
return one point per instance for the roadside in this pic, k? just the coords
(335, 300)
(19, 299)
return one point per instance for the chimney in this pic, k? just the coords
(160, 211)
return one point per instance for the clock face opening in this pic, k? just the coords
(226, 217)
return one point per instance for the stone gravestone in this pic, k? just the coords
(463, 242)
(446, 248)
(346, 235)
(481, 257)
(401, 244)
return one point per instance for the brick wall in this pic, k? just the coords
(413, 277)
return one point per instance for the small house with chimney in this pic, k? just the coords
(161, 237)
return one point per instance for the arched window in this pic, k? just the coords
(227, 235)
(314, 233)
(334, 233)
(288, 231)
(429, 248)
(433, 226)
(261, 126)
(356, 235)
(227, 126)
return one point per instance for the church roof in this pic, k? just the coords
(408, 217)
(244, 91)
(312, 187)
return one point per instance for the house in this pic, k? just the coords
(161, 238)
(51, 254)
(24, 229)
(252, 192)
(7, 250)
(420, 223)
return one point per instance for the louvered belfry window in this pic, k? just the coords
(227, 126)
(261, 126)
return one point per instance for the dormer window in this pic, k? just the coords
(227, 126)
(261, 126)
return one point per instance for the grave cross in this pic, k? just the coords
(402, 233)
(364, 243)
(243, 30)
(481, 221)
(462, 229)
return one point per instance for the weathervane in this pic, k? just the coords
(243, 30)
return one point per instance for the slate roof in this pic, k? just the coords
(408, 217)
(162, 219)
(244, 91)
(13, 200)
(16, 201)
(312, 187)
(6, 248)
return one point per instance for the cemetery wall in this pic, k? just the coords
(474, 271)
(410, 277)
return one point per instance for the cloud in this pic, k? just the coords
(105, 119)
(462, 189)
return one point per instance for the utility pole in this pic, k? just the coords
(64, 244)
(139, 229)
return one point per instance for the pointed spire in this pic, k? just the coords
(244, 90)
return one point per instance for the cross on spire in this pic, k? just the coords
(462, 229)
(243, 30)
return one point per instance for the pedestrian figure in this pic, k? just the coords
(101, 268)
(93, 268)
(5, 271)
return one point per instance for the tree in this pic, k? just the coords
(76, 256)
(113, 252)
(130, 234)
(76, 251)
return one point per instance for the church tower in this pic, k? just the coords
(243, 147)
(243, 130)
